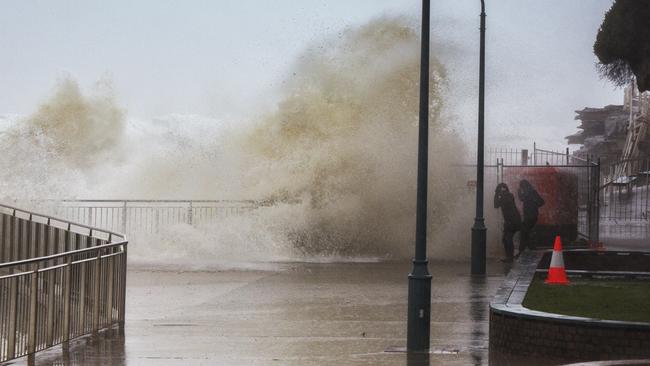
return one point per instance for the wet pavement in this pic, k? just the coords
(296, 314)
(636, 245)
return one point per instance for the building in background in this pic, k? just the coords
(615, 132)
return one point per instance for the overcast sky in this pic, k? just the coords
(219, 57)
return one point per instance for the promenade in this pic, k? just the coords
(290, 314)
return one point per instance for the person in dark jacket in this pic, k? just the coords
(532, 201)
(511, 219)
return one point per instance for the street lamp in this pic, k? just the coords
(419, 298)
(479, 230)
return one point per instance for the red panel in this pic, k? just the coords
(557, 187)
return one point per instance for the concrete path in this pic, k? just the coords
(295, 314)
(635, 245)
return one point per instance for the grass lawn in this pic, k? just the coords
(593, 298)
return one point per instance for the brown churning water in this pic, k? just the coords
(334, 163)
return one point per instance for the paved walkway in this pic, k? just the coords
(640, 245)
(295, 314)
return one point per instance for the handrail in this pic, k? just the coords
(49, 299)
(137, 217)
(66, 222)
(583, 159)
(61, 255)
(155, 201)
(550, 151)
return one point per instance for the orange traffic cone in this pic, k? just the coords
(556, 272)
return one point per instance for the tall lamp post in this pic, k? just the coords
(479, 230)
(419, 298)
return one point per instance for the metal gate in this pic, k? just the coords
(625, 195)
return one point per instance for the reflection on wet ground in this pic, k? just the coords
(301, 314)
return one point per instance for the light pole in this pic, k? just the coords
(419, 298)
(479, 230)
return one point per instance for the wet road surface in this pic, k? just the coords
(297, 314)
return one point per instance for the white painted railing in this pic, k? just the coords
(134, 217)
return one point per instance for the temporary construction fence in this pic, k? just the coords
(568, 184)
(613, 200)
(534, 157)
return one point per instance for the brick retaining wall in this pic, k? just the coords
(518, 331)
(538, 337)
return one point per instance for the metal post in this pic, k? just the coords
(67, 280)
(122, 288)
(81, 315)
(419, 298)
(49, 320)
(12, 238)
(595, 235)
(110, 262)
(500, 170)
(13, 308)
(124, 218)
(33, 302)
(96, 305)
(590, 189)
(567, 156)
(20, 244)
(524, 157)
(2, 238)
(30, 247)
(157, 220)
(68, 240)
(478, 230)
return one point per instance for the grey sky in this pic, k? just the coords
(218, 57)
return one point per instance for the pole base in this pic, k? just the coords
(419, 308)
(479, 234)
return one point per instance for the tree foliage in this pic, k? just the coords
(623, 43)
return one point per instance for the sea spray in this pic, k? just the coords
(82, 130)
(343, 141)
(333, 167)
(52, 152)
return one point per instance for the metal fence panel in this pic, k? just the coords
(58, 280)
(137, 217)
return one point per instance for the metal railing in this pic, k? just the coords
(136, 217)
(58, 280)
(551, 157)
(626, 191)
(507, 156)
(536, 156)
